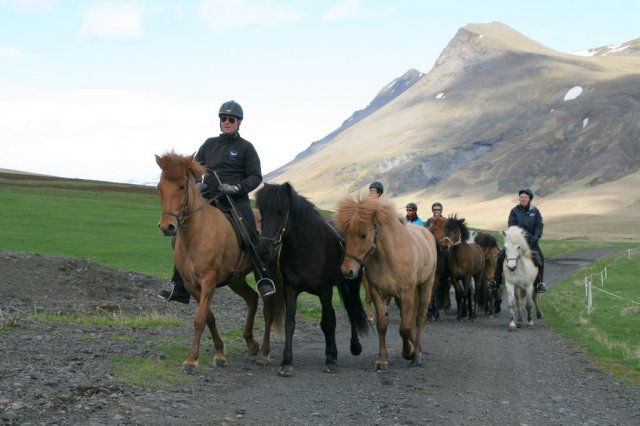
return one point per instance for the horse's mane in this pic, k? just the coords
(274, 198)
(486, 241)
(355, 215)
(174, 166)
(453, 222)
(515, 236)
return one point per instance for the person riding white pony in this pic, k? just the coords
(520, 273)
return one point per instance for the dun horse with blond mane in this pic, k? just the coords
(398, 260)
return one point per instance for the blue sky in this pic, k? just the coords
(93, 89)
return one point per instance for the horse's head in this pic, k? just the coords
(455, 232)
(437, 227)
(274, 204)
(359, 221)
(177, 189)
(515, 246)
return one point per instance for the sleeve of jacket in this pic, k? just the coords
(537, 232)
(513, 218)
(253, 171)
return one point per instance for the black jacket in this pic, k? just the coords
(529, 219)
(234, 159)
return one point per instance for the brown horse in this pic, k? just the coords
(208, 255)
(488, 293)
(398, 260)
(465, 261)
(437, 227)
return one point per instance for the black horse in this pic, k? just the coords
(308, 253)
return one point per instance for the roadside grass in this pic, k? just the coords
(610, 333)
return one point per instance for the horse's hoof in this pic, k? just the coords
(512, 326)
(286, 371)
(382, 367)
(539, 315)
(330, 368)
(220, 363)
(530, 323)
(263, 361)
(417, 360)
(356, 348)
(254, 350)
(188, 368)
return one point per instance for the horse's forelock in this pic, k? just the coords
(356, 216)
(455, 222)
(174, 166)
(515, 235)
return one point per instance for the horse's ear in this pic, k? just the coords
(287, 188)
(504, 233)
(158, 160)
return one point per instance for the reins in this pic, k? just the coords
(371, 252)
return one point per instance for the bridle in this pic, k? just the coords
(371, 252)
(453, 244)
(184, 213)
(276, 240)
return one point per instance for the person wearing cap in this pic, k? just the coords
(436, 209)
(376, 190)
(237, 165)
(528, 217)
(412, 214)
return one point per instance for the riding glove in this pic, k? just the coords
(227, 189)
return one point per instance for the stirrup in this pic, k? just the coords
(492, 285)
(169, 294)
(266, 287)
(541, 288)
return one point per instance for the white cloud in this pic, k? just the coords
(225, 14)
(112, 20)
(342, 10)
(10, 52)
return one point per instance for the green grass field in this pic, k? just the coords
(116, 225)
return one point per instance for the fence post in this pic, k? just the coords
(589, 297)
(601, 278)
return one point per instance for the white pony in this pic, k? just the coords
(520, 273)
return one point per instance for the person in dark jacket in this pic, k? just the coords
(528, 217)
(236, 162)
(436, 209)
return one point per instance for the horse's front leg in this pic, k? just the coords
(367, 298)
(328, 326)
(469, 289)
(382, 362)
(457, 285)
(204, 317)
(424, 293)
(512, 304)
(291, 301)
(529, 305)
(535, 302)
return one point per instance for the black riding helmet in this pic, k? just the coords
(436, 204)
(412, 206)
(232, 109)
(526, 191)
(377, 186)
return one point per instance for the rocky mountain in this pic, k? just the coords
(497, 112)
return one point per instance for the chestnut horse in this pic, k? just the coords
(208, 255)
(465, 261)
(520, 276)
(399, 260)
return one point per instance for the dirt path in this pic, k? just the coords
(475, 373)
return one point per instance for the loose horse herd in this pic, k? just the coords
(406, 263)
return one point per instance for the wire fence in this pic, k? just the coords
(602, 277)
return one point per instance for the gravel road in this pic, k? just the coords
(475, 373)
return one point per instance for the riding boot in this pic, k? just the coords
(174, 290)
(541, 287)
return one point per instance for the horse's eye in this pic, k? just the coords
(183, 187)
(363, 236)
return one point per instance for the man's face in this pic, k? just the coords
(373, 193)
(229, 125)
(437, 211)
(411, 213)
(524, 199)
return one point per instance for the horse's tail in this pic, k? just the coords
(350, 294)
(276, 304)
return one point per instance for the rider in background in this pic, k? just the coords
(412, 214)
(436, 209)
(375, 190)
(528, 217)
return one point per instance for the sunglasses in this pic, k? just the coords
(437, 210)
(224, 118)
(410, 210)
